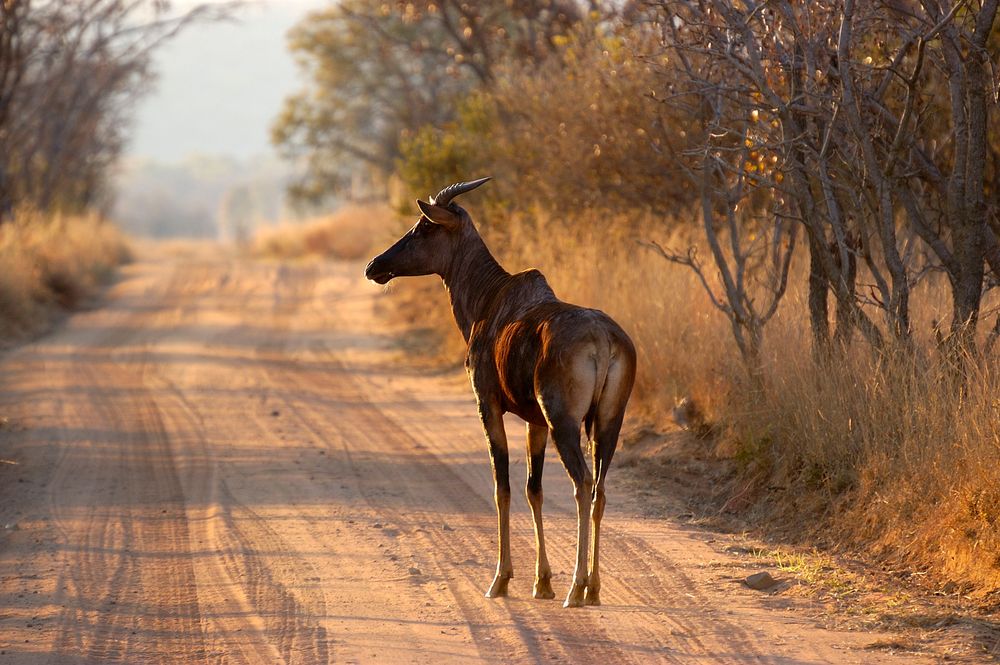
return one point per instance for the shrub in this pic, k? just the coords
(52, 261)
(578, 132)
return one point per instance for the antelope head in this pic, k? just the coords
(429, 247)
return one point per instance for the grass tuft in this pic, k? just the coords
(52, 262)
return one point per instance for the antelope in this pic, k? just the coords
(553, 364)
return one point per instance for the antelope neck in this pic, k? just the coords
(473, 280)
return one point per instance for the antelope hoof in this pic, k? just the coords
(593, 596)
(576, 593)
(543, 588)
(499, 587)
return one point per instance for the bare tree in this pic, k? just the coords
(753, 269)
(934, 173)
(13, 61)
(875, 167)
(68, 72)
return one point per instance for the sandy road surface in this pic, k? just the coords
(222, 464)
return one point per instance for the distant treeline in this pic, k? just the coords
(201, 197)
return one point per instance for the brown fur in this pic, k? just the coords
(554, 364)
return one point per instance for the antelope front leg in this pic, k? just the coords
(536, 459)
(496, 437)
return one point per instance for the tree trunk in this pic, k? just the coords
(969, 229)
(845, 308)
(819, 283)
(6, 197)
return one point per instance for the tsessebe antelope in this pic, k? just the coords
(553, 364)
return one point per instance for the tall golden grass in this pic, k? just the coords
(52, 262)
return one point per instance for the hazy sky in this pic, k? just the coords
(220, 85)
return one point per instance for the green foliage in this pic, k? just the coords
(458, 151)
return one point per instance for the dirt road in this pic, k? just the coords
(223, 464)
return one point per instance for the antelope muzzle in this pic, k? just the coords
(378, 272)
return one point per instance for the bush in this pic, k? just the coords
(54, 261)
(578, 132)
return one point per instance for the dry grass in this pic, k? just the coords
(350, 233)
(49, 262)
(896, 455)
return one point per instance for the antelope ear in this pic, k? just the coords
(439, 214)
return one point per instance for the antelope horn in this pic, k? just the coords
(445, 196)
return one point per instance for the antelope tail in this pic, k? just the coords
(602, 360)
